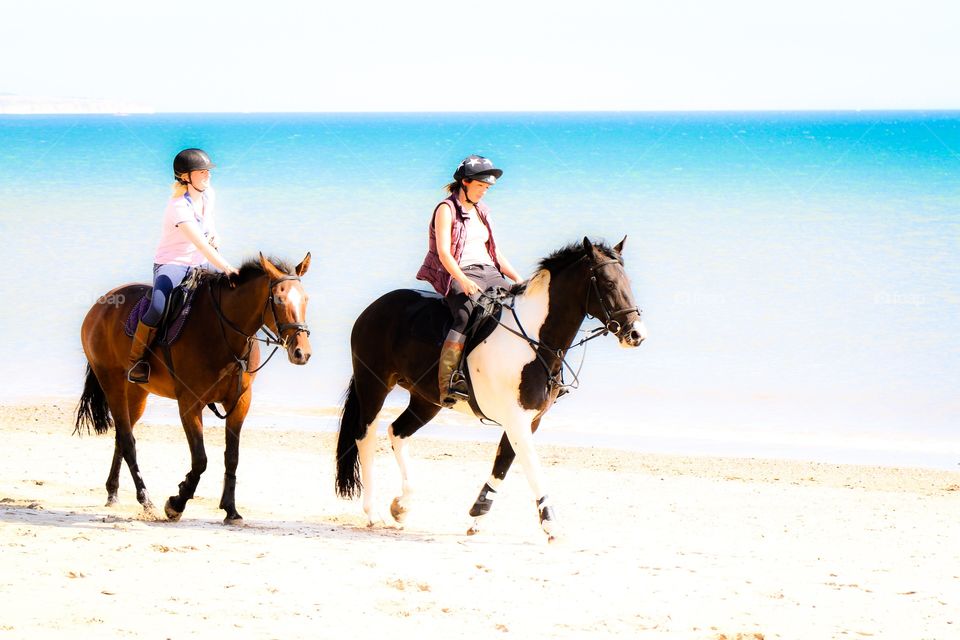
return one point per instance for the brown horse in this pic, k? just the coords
(214, 360)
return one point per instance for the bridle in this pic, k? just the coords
(610, 325)
(276, 341)
(298, 327)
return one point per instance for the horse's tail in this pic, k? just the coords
(351, 430)
(93, 408)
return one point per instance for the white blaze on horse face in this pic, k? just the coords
(295, 303)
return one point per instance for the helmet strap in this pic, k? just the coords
(466, 197)
(190, 182)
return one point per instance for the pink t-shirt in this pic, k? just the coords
(174, 246)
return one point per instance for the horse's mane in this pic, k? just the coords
(560, 260)
(566, 256)
(251, 268)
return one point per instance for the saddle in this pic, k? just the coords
(175, 315)
(429, 320)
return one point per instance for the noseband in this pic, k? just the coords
(609, 324)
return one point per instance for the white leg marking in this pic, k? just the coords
(521, 439)
(367, 448)
(401, 504)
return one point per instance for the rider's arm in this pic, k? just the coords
(443, 226)
(506, 268)
(192, 232)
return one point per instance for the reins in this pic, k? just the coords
(556, 380)
(276, 341)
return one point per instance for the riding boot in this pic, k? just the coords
(451, 384)
(139, 371)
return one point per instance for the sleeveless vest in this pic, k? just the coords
(432, 270)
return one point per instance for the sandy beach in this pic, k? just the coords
(651, 546)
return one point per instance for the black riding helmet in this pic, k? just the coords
(477, 168)
(190, 160)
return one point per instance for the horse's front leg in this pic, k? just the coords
(501, 465)
(484, 502)
(231, 457)
(520, 435)
(190, 416)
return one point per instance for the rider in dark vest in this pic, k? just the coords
(462, 260)
(187, 239)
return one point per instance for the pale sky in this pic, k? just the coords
(494, 55)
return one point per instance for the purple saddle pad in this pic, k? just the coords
(170, 328)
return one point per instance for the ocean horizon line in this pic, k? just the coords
(492, 112)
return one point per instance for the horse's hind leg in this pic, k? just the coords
(418, 413)
(231, 457)
(193, 428)
(136, 403)
(117, 393)
(369, 392)
(113, 480)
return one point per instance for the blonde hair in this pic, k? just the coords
(178, 189)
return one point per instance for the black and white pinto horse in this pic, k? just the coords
(515, 370)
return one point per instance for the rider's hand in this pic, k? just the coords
(469, 287)
(231, 274)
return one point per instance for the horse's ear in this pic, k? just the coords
(303, 266)
(268, 267)
(619, 247)
(587, 245)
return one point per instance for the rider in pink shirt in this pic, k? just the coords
(174, 246)
(187, 240)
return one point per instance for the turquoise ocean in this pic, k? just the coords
(799, 272)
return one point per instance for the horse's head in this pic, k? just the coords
(288, 302)
(609, 297)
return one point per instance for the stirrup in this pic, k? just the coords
(453, 397)
(458, 380)
(457, 390)
(139, 377)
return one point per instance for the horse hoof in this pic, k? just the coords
(398, 511)
(236, 521)
(172, 514)
(111, 500)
